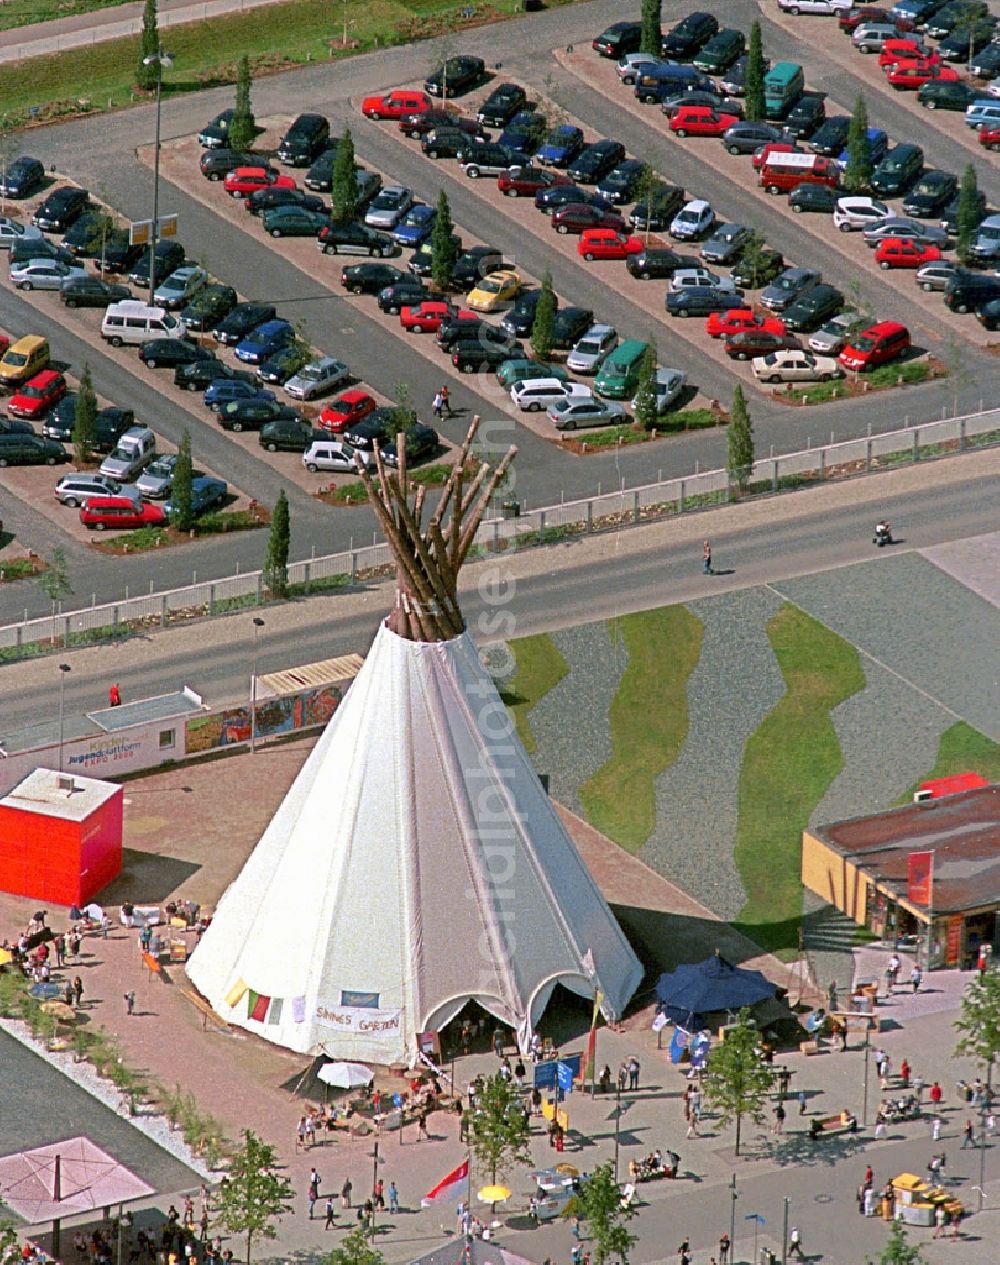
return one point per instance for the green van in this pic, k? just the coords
(783, 85)
(619, 374)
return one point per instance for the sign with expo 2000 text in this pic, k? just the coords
(357, 1018)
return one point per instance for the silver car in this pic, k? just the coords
(725, 243)
(43, 274)
(73, 489)
(902, 226)
(589, 352)
(182, 283)
(936, 275)
(669, 384)
(12, 230)
(685, 278)
(832, 336)
(318, 377)
(389, 207)
(573, 414)
(157, 479)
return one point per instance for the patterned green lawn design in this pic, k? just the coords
(540, 668)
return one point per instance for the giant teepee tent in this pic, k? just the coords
(416, 863)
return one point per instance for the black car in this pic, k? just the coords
(931, 194)
(734, 80)
(957, 46)
(472, 355)
(656, 208)
(62, 206)
(831, 137)
(356, 239)
(319, 177)
(23, 450)
(406, 292)
(657, 263)
(814, 307)
(216, 164)
(486, 160)
(805, 116)
(619, 38)
(519, 320)
(304, 140)
(700, 96)
(168, 353)
(948, 16)
(112, 423)
(285, 362)
(92, 292)
(119, 253)
(169, 255)
(22, 252)
(369, 278)
(262, 200)
(751, 272)
(215, 133)
(241, 320)
(524, 133)
(22, 177)
(988, 314)
(549, 200)
(416, 126)
(288, 434)
(949, 214)
(474, 264)
(421, 441)
(453, 330)
(374, 428)
(200, 374)
(938, 95)
(252, 413)
(699, 301)
(208, 307)
(454, 76)
(446, 142)
(986, 64)
(86, 236)
(60, 422)
(688, 36)
(814, 197)
(596, 161)
(746, 138)
(502, 104)
(968, 291)
(570, 325)
(619, 185)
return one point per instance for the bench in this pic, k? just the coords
(809, 1047)
(830, 1126)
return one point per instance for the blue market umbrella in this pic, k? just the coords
(700, 988)
(46, 992)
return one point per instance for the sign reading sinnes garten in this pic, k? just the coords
(357, 1019)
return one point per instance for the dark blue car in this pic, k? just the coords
(561, 146)
(416, 226)
(548, 200)
(878, 144)
(520, 136)
(206, 492)
(264, 341)
(224, 389)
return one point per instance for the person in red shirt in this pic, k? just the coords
(936, 1094)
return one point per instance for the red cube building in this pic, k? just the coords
(60, 837)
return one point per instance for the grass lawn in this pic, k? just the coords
(540, 668)
(962, 749)
(788, 765)
(649, 721)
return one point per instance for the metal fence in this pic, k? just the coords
(622, 508)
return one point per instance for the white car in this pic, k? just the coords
(389, 207)
(317, 377)
(182, 283)
(851, 213)
(669, 384)
(538, 393)
(795, 366)
(12, 230)
(815, 6)
(591, 349)
(43, 274)
(335, 455)
(693, 220)
(685, 278)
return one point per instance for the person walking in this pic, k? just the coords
(105, 926)
(446, 401)
(935, 1094)
(802, 1102)
(968, 1135)
(130, 1002)
(345, 1193)
(633, 1073)
(422, 1124)
(795, 1243)
(916, 977)
(78, 989)
(706, 558)
(935, 1128)
(393, 1197)
(115, 696)
(724, 1248)
(314, 1180)
(437, 405)
(379, 1194)
(330, 1213)
(779, 1119)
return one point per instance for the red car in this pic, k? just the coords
(5, 341)
(910, 75)
(426, 317)
(849, 19)
(901, 252)
(606, 243)
(345, 410)
(37, 395)
(738, 319)
(393, 105)
(100, 512)
(875, 346)
(576, 217)
(750, 343)
(772, 147)
(525, 182)
(895, 51)
(700, 120)
(246, 180)
(990, 137)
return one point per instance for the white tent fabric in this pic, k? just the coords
(415, 863)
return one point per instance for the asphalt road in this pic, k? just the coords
(101, 152)
(562, 585)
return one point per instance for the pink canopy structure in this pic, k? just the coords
(65, 1178)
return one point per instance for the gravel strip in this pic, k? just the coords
(734, 686)
(570, 723)
(922, 624)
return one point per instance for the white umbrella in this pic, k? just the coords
(346, 1075)
(93, 911)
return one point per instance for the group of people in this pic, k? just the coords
(38, 952)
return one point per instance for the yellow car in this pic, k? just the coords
(494, 291)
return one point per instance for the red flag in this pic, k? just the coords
(448, 1186)
(920, 878)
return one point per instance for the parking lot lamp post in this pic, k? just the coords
(158, 59)
(63, 669)
(258, 624)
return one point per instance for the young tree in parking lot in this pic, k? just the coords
(543, 326)
(54, 581)
(739, 441)
(444, 248)
(344, 182)
(753, 257)
(968, 213)
(278, 544)
(242, 126)
(404, 415)
(85, 419)
(753, 93)
(858, 172)
(149, 46)
(181, 496)
(645, 188)
(649, 40)
(645, 392)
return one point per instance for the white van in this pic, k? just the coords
(135, 322)
(540, 393)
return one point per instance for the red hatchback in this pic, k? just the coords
(875, 346)
(246, 180)
(345, 410)
(393, 105)
(577, 217)
(426, 317)
(700, 120)
(901, 252)
(606, 243)
(738, 319)
(37, 395)
(911, 75)
(990, 137)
